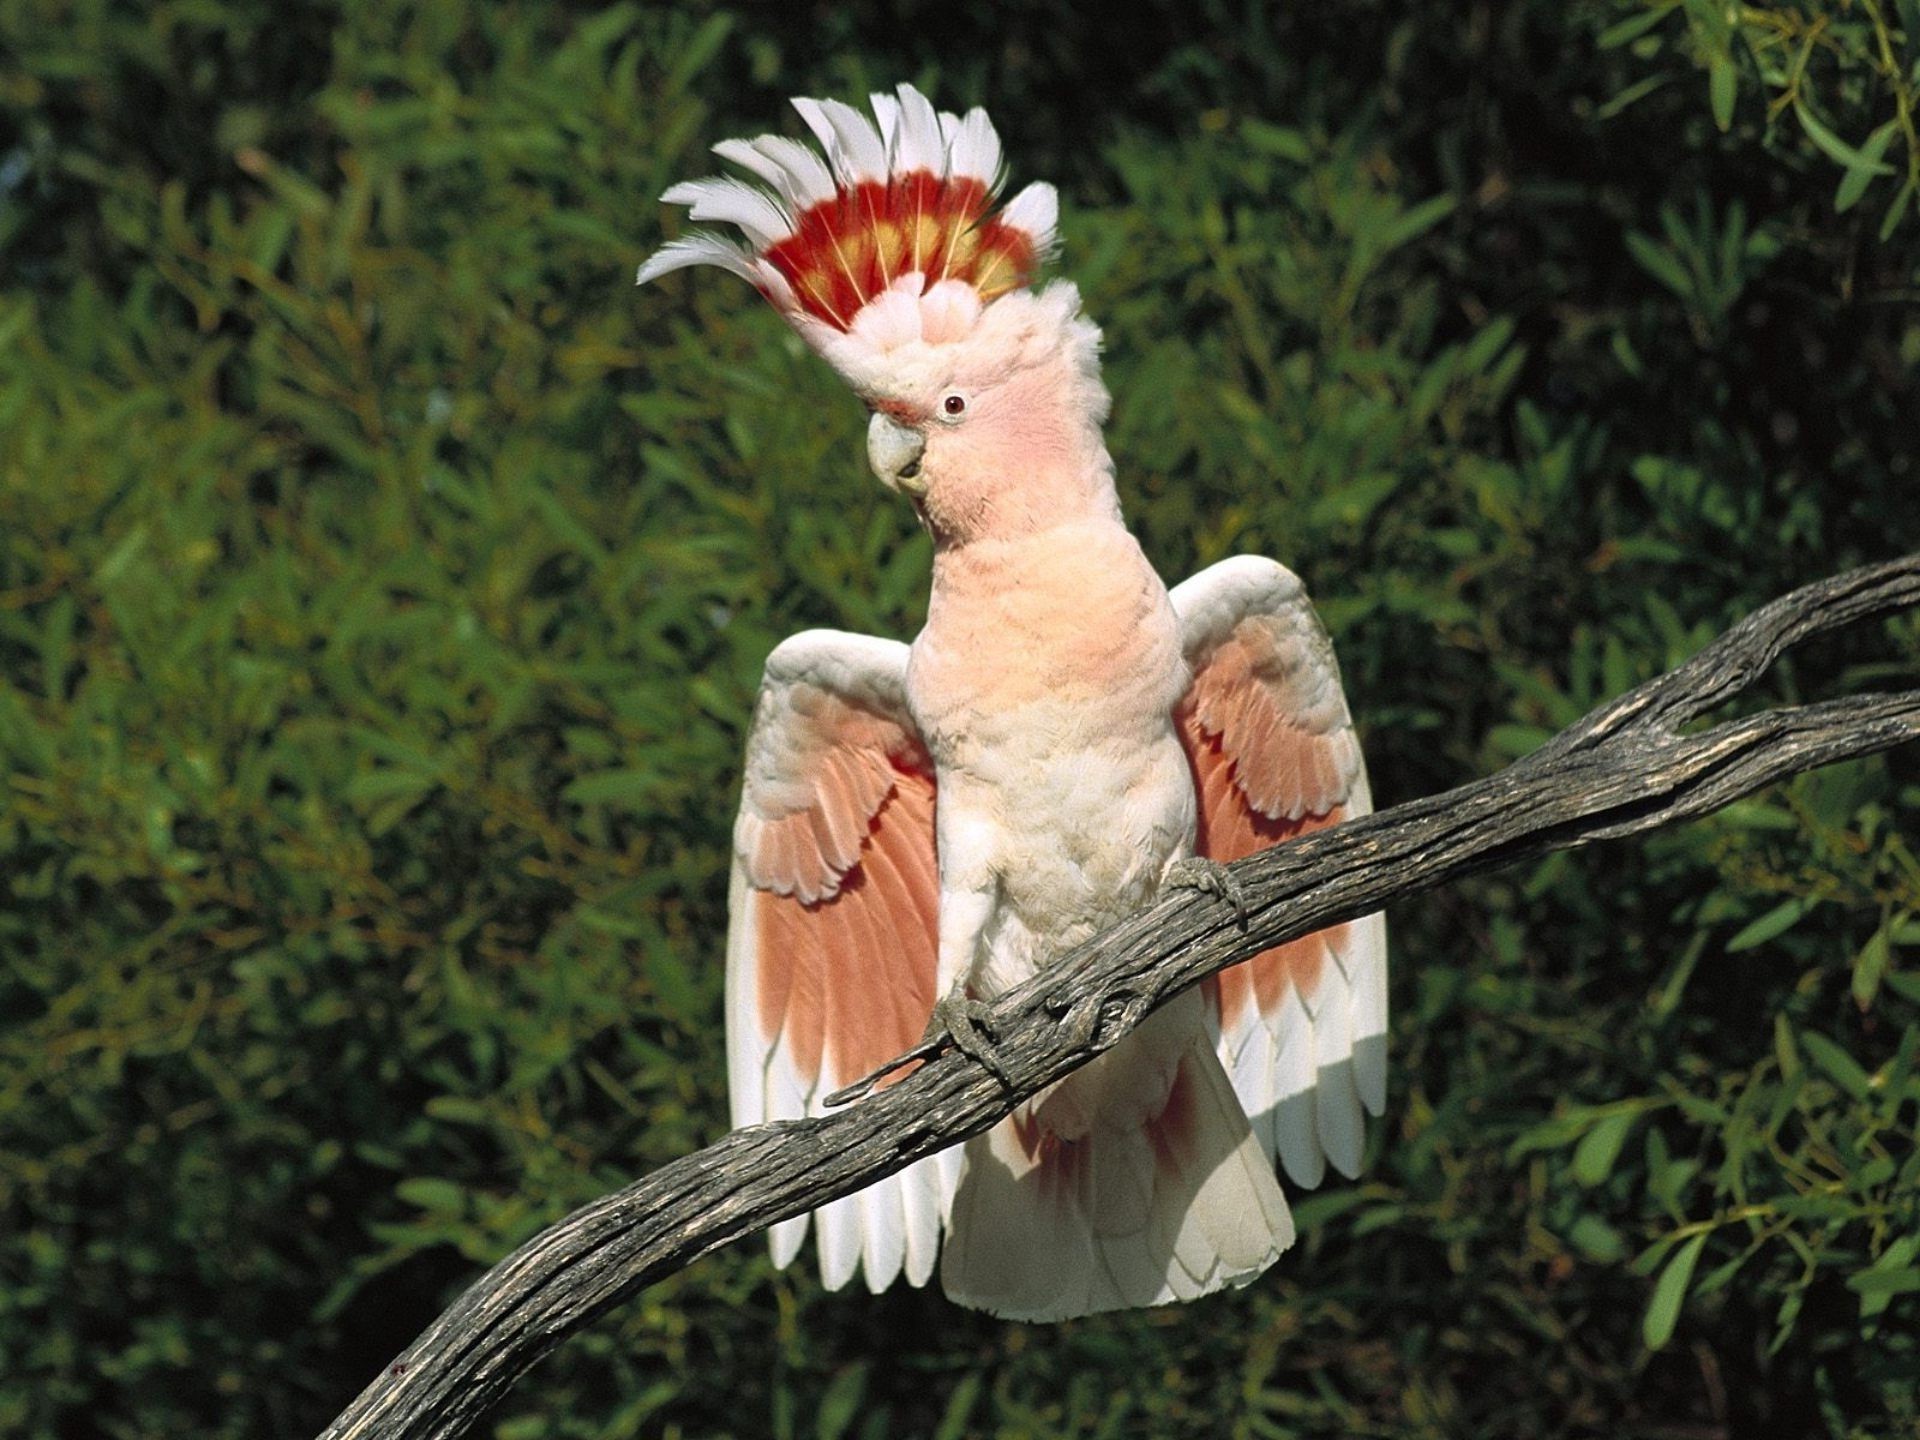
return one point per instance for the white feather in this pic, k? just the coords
(815, 120)
(734, 202)
(1035, 210)
(1366, 961)
(1249, 1059)
(1134, 1274)
(836, 1227)
(1337, 1114)
(858, 155)
(973, 148)
(787, 1094)
(925, 1206)
(746, 154)
(778, 291)
(808, 180)
(886, 112)
(949, 1163)
(917, 144)
(883, 1231)
(699, 248)
(746, 1044)
(785, 1238)
(1340, 1120)
(1295, 1136)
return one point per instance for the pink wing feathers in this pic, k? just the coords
(1265, 723)
(831, 943)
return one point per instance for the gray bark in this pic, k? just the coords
(1627, 767)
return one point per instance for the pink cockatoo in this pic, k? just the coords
(931, 822)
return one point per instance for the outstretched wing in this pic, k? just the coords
(1302, 1026)
(832, 934)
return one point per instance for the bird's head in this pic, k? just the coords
(889, 259)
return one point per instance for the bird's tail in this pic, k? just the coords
(1163, 1206)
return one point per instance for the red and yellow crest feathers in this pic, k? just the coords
(909, 196)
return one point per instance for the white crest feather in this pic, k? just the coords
(917, 142)
(886, 110)
(973, 148)
(1035, 210)
(734, 202)
(699, 248)
(856, 151)
(807, 173)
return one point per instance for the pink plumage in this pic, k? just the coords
(939, 820)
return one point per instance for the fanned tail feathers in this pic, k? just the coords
(1125, 1216)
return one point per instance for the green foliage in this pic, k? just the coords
(384, 584)
(1861, 61)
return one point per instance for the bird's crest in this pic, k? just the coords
(906, 204)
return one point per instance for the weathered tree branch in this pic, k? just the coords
(1625, 768)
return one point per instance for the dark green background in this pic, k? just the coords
(384, 583)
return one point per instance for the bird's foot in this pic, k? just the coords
(1079, 1015)
(963, 1020)
(925, 1050)
(1196, 872)
(958, 1020)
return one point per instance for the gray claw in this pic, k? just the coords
(1196, 872)
(964, 1021)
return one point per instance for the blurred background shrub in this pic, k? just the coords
(384, 584)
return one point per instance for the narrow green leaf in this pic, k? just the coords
(1639, 90)
(1885, 1282)
(1625, 32)
(1717, 1277)
(1896, 212)
(431, 1193)
(1491, 340)
(1910, 22)
(1892, 1274)
(700, 49)
(841, 1403)
(1597, 1240)
(1282, 140)
(1854, 183)
(1660, 263)
(618, 786)
(1664, 1310)
(1721, 79)
(1350, 504)
(1594, 1157)
(1775, 923)
(1840, 1067)
(1414, 221)
(1316, 1210)
(1870, 967)
(1783, 1050)
(1835, 147)
(1709, 21)
(1852, 186)
(953, 1420)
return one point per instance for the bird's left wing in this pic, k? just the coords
(1265, 723)
(832, 933)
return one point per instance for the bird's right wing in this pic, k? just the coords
(833, 927)
(1303, 1025)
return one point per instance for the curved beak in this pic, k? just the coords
(894, 451)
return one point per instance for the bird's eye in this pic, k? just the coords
(954, 404)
